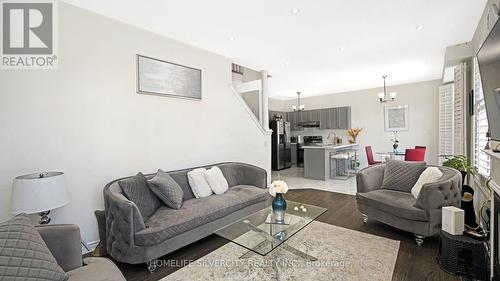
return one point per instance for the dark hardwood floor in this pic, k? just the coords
(413, 263)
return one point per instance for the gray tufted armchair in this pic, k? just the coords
(421, 216)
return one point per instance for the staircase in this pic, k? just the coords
(253, 97)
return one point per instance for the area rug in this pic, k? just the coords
(342, 254)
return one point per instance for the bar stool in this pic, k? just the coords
(354, 164)
(340, 170)
(346, 164)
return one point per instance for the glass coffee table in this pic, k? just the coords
(261, 234)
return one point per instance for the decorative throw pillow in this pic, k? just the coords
(198, 183)
(137, 190)
(216, 180)
(167, 189)
(430, 174)
(402, 175)
(24, 255)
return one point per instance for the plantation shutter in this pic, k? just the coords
(459, 113)
(446, 109)
(481, 159)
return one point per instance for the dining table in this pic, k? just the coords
(391, 155)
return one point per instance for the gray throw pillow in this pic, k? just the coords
(137, 190)
(167, 189)
(402, 175)
(24, 255)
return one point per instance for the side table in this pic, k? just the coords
(464, 256)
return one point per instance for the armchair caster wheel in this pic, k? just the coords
(365, 218)
(152, 265)
(419, 239)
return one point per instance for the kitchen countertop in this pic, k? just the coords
(330, 146)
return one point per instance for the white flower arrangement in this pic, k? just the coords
(394, 138)
(278, 186)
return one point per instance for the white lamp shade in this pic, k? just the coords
(34, 194)
(393, 95)
(381, 95)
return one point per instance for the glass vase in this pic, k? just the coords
(279, 207)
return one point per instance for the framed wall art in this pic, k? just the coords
(158, 77)
(396, 118)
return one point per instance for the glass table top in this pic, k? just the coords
(399, 153)
(260, 233)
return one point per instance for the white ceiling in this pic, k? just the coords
(302, 51)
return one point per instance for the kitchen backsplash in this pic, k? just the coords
(324, 133)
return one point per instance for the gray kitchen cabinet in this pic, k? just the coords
(303, 116)
(284, 115)
(335, 118)
(323, 119)
(290, 119)
(313, 115)
(332, 118)
(344, 117)
(293, 119)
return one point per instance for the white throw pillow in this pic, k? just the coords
(216, 180)
(198, 183)
(431, 174)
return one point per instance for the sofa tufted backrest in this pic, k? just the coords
(236, 173)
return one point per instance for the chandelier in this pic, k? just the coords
(384, 97)
(298, 107)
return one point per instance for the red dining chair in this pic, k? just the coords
(416, 155)
(420, 147)
(369, 155)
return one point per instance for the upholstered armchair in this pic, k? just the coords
(422, 215)
(63, 241)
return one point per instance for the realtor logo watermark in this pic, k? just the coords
(29, 34)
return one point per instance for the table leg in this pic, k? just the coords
(275, 265)
(251, 253)
(272, 239)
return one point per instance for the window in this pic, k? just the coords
(480, 126)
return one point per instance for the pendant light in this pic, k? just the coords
(384, 97)
(299, 107)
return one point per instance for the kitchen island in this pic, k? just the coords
(317, 163)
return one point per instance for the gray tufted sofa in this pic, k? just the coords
(130, 239)
(421, 216)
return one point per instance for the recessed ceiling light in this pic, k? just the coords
(294, 11)
(231, 38)
(287, 64)
(420, 27)
(341, 49)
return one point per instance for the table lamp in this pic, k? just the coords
(39, 193)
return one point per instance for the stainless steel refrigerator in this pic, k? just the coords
(281, 147)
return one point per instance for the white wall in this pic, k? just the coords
(253, 101)
(86, 120)
(279, 105)
(367, 112)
